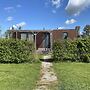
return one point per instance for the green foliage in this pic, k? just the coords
(67, 50)
(58, 50)
(85, 58)
(15, 51)
(87, 30)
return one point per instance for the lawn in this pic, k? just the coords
(73, 76)
(19, 76)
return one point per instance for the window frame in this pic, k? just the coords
(25, 37)
(65, 36)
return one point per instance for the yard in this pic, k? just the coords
(19, 76)
(73, 76)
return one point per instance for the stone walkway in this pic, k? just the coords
(48, 77)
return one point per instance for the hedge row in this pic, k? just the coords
(15, 51)
(77, 50)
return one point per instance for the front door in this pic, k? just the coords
(46, 41)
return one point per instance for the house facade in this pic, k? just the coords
(44, 38)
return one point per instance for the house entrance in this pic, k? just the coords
(46, 41)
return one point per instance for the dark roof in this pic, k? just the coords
(30, 31)
(37, 31)
(63, 29)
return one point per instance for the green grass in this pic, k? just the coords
(19, 76)
(73, 76)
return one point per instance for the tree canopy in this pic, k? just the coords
(87, 30)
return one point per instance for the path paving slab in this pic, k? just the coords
(47, 78)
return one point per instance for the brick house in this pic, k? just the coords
(44, 38)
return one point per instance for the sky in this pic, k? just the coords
(48, 14)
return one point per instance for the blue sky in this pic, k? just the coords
(39, 14)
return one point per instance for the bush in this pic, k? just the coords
(15, 51)
(58, 51)
(64, 51)
(76, 50)
(85, 58)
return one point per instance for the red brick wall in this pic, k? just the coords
(58, 34)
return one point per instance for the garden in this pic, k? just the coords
(73, 76)
(72, 50)
(20, 67)
(72, 64)
(19, 76)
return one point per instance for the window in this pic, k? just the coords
(47, 40)
(65, 35)
(30, 37)
(10, 35)
(23, 36)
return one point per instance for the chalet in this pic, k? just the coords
(44, 38)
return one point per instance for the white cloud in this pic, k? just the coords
(18, 25)
(61, 28)
(74, 7)
(71, 21)
(14, 26)
(21, 24)
(10, 18)
(56, 3)
(8, 8)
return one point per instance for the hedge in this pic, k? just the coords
(16, 51)
(68, 50)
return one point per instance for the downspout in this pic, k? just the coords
(51, 40)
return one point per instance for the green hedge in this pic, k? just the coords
(67, 50)
(16, 51)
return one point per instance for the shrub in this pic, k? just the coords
(58, 51)
(76, 50)
(15, 51)
(85, 58)
(64, 51)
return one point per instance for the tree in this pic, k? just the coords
(6, 34)
(19, 27)
(87, 30)
(0, 33)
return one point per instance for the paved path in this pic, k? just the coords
(48, 77)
